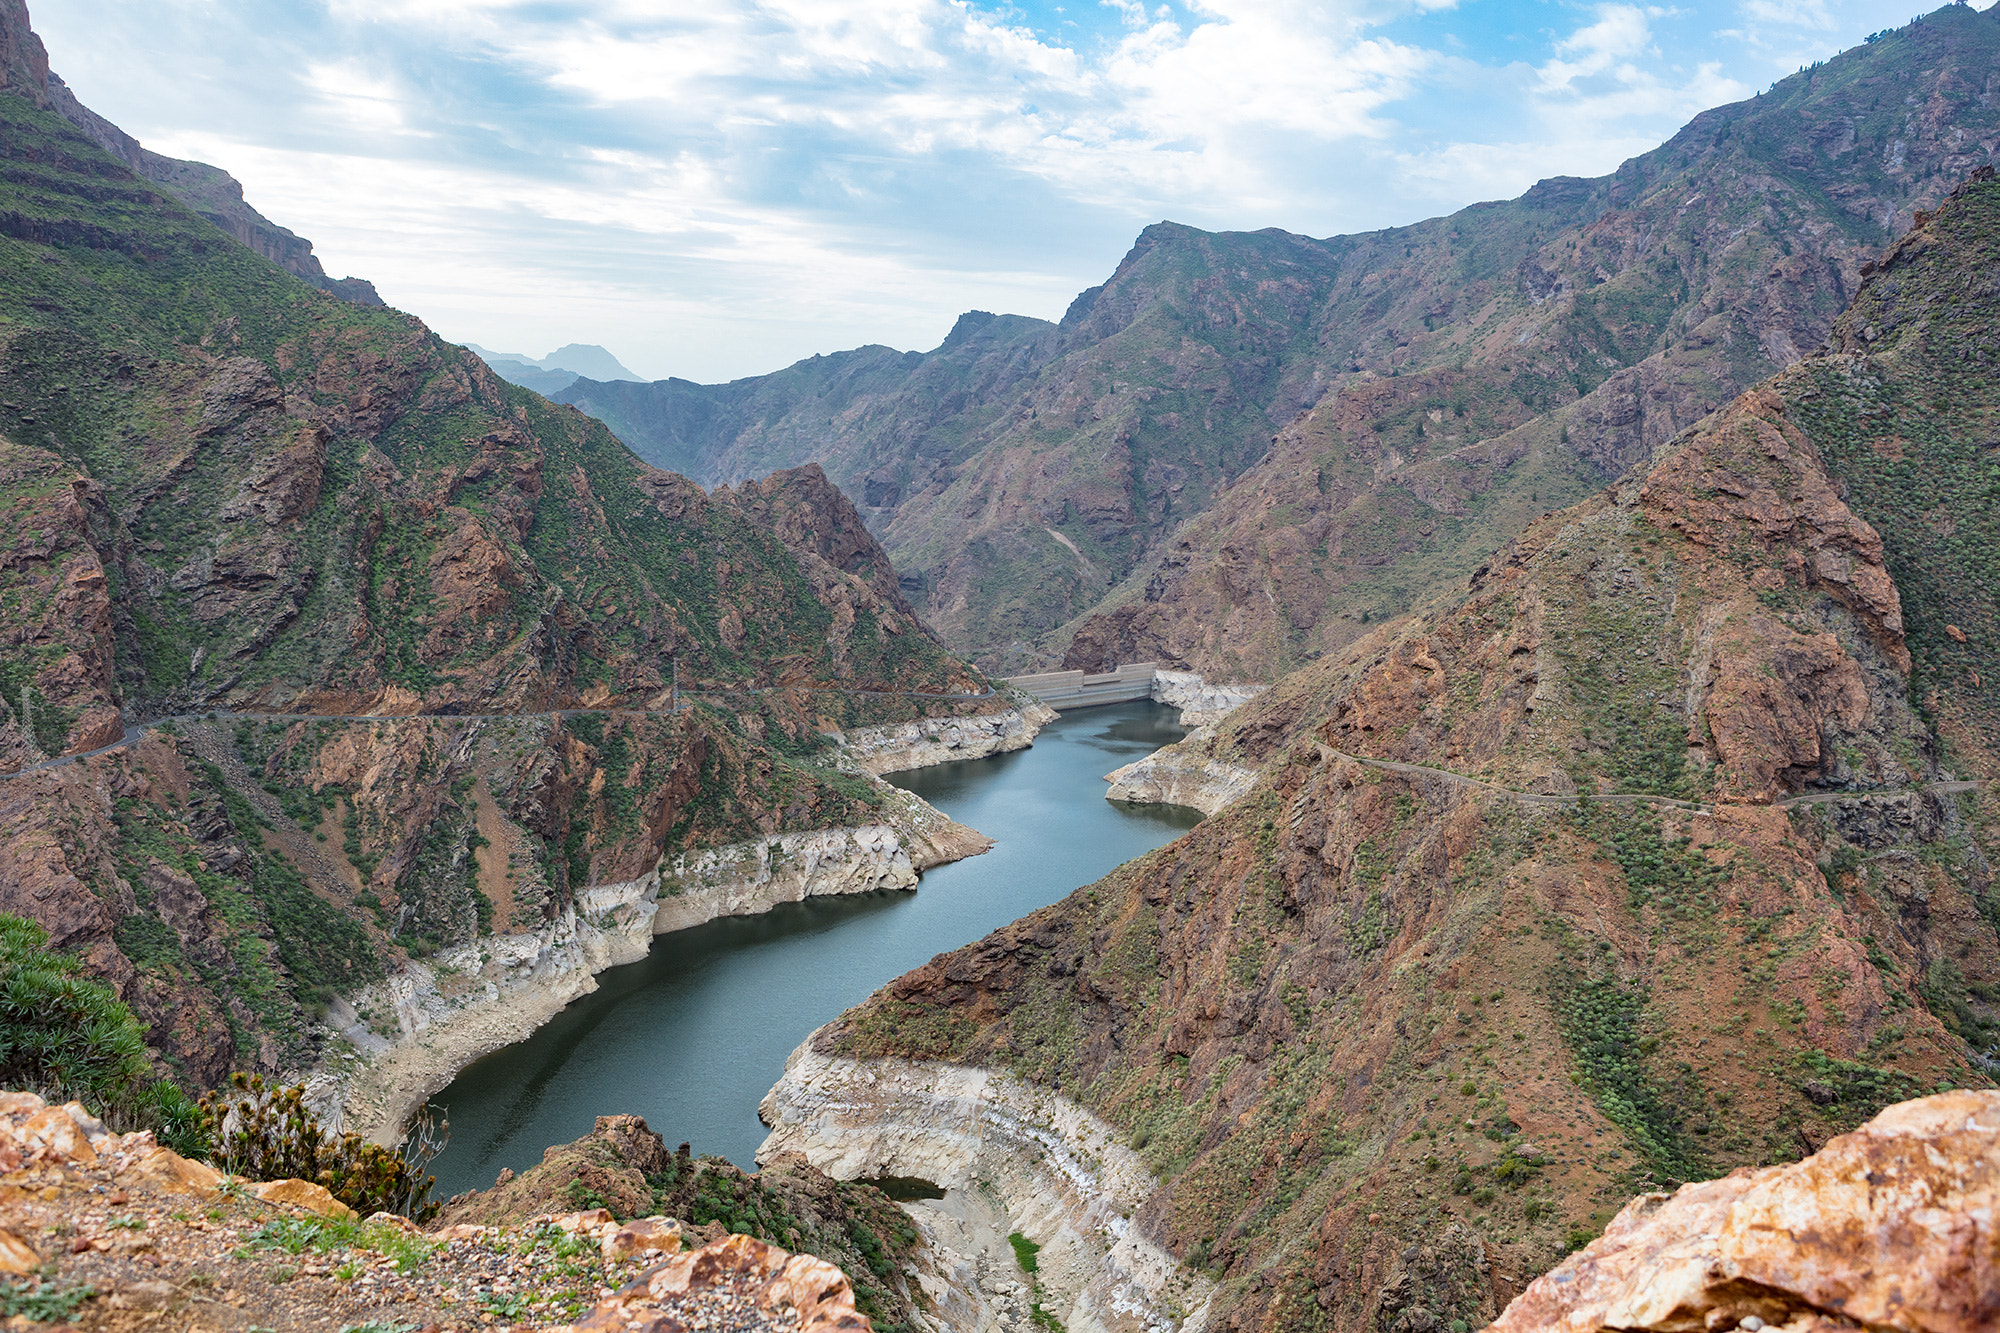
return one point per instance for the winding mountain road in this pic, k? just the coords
(1645, 798)
(137, 730)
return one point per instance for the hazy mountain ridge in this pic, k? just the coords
(558, 370)
(1408, 1020)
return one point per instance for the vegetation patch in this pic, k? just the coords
(70, 1037)
(1604, 1024)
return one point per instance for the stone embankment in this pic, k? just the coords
(1010, 1157)
(403, 1039)
(900, 746)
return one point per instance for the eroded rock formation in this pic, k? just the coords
(1890, 1227)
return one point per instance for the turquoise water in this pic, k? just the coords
(694, 1035)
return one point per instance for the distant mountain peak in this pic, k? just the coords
(590, 361)
(559, 369)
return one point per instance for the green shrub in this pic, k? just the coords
(266, 1133)
(70, 1037)
(43, 1302)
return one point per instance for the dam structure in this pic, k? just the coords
(1064, 690)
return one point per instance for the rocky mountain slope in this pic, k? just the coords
(420, 627)
(209, 191)
(1463, 375)
(1666, 848)
(1700, 268)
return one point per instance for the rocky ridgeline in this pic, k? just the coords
(1243, 450)
(113, 1231)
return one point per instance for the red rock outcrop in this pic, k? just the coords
(812, 1290)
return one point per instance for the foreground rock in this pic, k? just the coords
(1895, 1226)
(112, 1231)
(626, 1169)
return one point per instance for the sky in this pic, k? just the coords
(718, 188)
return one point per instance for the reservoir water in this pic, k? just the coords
(692, 1036)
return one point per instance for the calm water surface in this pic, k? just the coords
(694, 1035)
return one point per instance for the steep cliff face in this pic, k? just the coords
(1515, 385)
(420, 627)
(1635, 863)
(1463, 375)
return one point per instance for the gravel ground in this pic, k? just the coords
(166, 1262)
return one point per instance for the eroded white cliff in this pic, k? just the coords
(900, 746)
(400, 1040)
(748, 877)
(1010, 1157)
(404, 1038)
(1181, 774)
(1200, 702)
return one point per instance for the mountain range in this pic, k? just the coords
(558, 370)
(228, 494)
(1622, 560)
(1663, 848)
(1244, 448)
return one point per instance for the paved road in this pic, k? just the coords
(138, 729)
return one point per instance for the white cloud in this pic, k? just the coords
(1609, 73)
(1793, 13)
(356, 100)
(1621, 32)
